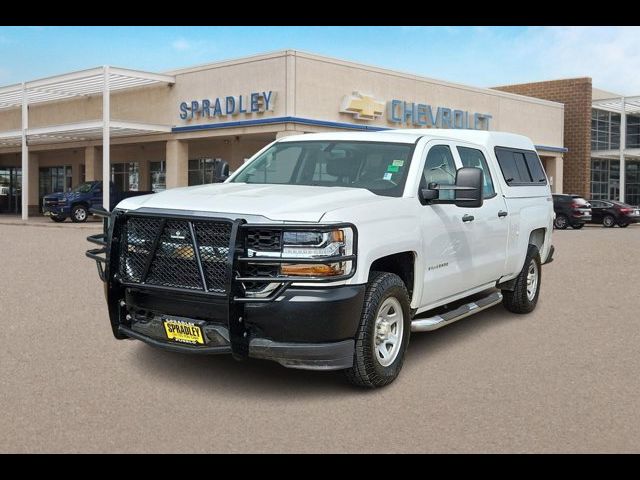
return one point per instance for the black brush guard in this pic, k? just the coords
(234, 295)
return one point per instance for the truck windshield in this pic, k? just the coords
(83, 187)
(376, 166)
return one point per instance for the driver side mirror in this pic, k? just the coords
(468, 189)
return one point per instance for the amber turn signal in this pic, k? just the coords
(312, 270)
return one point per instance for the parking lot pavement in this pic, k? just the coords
(562, 379)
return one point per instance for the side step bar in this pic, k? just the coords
(438, 321)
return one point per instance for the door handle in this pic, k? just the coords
(468, 218)
(502, 213)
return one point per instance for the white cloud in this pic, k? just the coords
(609, 55)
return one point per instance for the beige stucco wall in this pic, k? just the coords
(318, 98)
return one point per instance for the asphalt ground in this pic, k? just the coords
(561, 379)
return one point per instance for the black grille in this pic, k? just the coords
(174, 263)
(265, 240)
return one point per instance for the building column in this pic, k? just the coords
(623, 146)
(92, 164)
(144, 181)
(554, 167)
(177, 163)
(33, 195)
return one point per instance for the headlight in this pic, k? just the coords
(317, 245)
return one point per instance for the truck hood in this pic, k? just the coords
(70, 196)
(275, 202)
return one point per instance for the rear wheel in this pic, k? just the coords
(561, 222)
(609, 221)
(524, 297)
(383, 333)
(79, 214)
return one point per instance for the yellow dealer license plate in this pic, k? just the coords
(185, 332)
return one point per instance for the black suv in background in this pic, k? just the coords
(611, 213)
(571, 210)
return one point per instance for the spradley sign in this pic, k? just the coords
(254, 102)
(367, 107)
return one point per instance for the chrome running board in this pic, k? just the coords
(438, 321)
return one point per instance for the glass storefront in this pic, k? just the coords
(158, 175)
(10, 190)
(53, 180)
(605, 130)
(126, 176)
(204, 170)
(605, 180)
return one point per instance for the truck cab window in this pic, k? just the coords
(472, 157)
(440, 168)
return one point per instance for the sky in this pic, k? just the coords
(477, 56)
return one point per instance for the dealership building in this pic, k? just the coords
(151, 131)
(600, 162)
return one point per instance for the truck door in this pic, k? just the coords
(487, 226)
(446, 241)
(96, 196)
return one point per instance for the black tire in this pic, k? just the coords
(79, 214)
(577, 226)
(518, 300)
(609, 221)
(367, 371)
(561, 222)
(57, 219)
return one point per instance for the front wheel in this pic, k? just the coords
(383, 333)
(608, 221)
(524, 297)
(79, 214)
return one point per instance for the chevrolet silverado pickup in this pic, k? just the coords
(77, 203)
(328, 250)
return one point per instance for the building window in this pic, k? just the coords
(125, 176)
(158, 175)
(599, 179)
(633, 131)
(605, 130)
(207, 170)
(632, 182)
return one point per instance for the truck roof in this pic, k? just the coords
(482, 137)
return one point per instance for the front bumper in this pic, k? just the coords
(304, 328)
(311, 327)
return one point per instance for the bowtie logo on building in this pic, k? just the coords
(362, 106)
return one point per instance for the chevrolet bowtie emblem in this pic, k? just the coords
(363, 107)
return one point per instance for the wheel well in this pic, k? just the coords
(536, 238)
(402, 264)
(84, 204)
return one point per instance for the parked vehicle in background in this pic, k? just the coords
(326, 250)
(611, 213)
(76, 203)
(571, 211)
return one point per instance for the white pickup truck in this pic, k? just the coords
(326, 251)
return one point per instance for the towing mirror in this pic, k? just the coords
(468, 189)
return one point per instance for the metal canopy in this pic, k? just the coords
(616, 104)
(83, 83)
(78, 84)
(79, 132)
